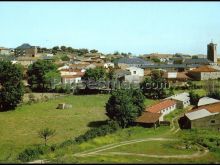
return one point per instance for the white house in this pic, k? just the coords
(136, 75)
(183, 99)
(49, 55)
(63, 67)
(136, 71)
(164, 107)
(109, 64)
(69, 79)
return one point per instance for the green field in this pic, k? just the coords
(19, 128)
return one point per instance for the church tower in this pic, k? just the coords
(212, 52)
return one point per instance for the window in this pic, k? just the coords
(212, 121)
(134, 72)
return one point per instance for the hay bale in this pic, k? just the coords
(64, 106)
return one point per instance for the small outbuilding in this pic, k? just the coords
(148, 119)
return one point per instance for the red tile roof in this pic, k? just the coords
(204, 68)
(212, 108)
(148, 117)
(180, 75)
(156, 108)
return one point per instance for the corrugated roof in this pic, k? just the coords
(170, 66)
(133, 61)
(206, 101)
(148, 117)
(197, 61)
(181, 96)
(198, 114)
(160, 106)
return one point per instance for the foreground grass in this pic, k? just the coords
(18, 129)
(66, 154)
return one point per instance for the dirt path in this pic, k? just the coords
(173, 130)
(99, 151)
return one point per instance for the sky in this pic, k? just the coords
(136, 27)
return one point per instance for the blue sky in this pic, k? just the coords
(137, 27)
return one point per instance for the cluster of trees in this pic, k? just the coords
(69, 49)
(122, 53)
(124, 106)
(194, 98)
(11, 85)
(42, 75)
(154, 86)
(95, 74)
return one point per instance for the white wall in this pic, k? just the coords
(136, 71)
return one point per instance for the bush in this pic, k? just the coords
(99, 131)
(32, 153)
(66, 143)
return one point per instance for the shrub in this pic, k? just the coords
(28, 154)
(32, 153)
(99, 131)
(66, 143)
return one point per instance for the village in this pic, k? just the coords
(178, 70)
(109, 83)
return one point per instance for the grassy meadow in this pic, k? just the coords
(19, 128)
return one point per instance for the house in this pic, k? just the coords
(69, 79)
(129, 62)
(136, 75)
(136, 71)
(26, 50)
(204, 72)
(26, 61)
(204, 117)
(64, 67)
(206, 101)
(78, 66)
(72, 71)
(109, 64)
(200, 61)
(148, 119)
(161, 57)
(176, 76)
(182, 99)
(120, 74)
(164, 107)
(171, 67)
(4, 51)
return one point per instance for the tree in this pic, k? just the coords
(55, 49)
(38, 74)
(124, 106)
(65, 58)
(63, 48)
(195, 57)
(194, 98)
(82, 51)
(52, 78)
(46, 134)
(95, 74)
(69, 49)
(11, 85)
(154, 86)
(93, 51)
(156, 60)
